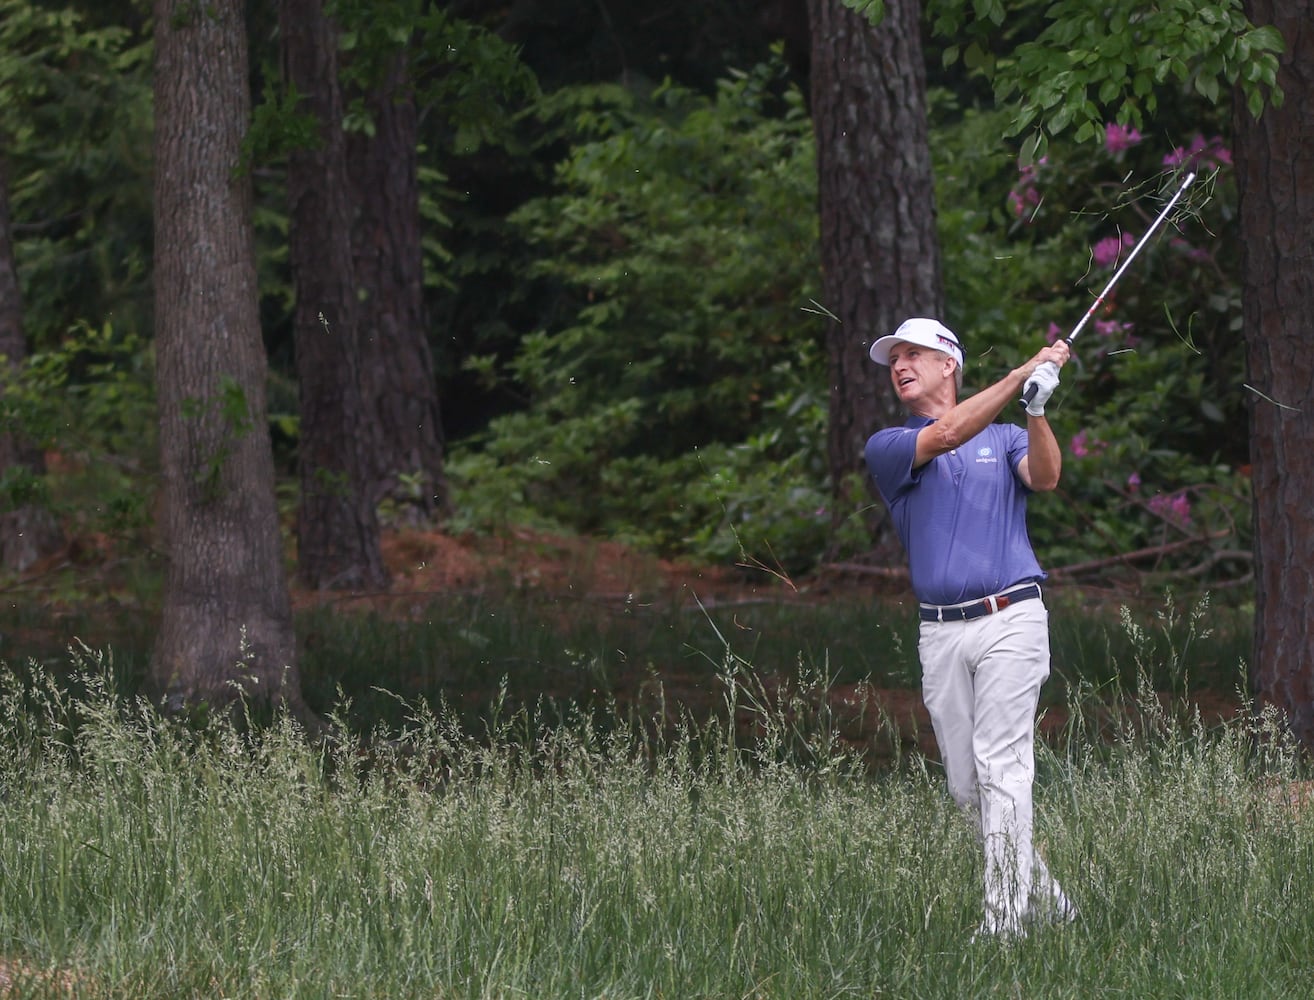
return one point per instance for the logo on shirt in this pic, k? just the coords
(985, 455)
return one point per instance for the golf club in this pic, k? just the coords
(1031, 392)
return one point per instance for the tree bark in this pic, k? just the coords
(28, 530)
(880, 252)
(226, 621)
(398, 387)
(337, 521)
(1274, 158)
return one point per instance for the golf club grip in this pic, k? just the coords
(1028, 396)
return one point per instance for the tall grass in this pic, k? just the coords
(578, 650)
(551, 857)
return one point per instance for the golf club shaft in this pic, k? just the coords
(1099, 299)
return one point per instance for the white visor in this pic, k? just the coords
(922, 332)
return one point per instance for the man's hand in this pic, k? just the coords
(1044, 380)
(1041, 373)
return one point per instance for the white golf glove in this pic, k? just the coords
(1046, 379)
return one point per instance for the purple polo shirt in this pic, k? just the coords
(962, 516)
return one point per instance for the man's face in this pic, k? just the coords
(919, 372)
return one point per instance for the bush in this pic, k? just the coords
(684, 228)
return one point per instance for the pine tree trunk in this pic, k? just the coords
(398, 387)
(337, 521)
(880, 253)
(1275, 175)
(226, 622)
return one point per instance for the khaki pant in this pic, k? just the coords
(981, 683)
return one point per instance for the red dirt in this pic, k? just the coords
(434, 562)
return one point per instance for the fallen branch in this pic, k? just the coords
(1128, 557)
(886, 572)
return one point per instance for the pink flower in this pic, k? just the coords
(1175, 507)
(1181, 156)
(1084, 445)
(1107, 251)
(1022, 201)
(1133, 482)
(1202, 153)
(1118, 138)
(1112, 329)
(1053, 333)
(1181, 508)
(1193, 253)
(1024, 198)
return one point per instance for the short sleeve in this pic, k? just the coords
(1016, 448)
(890, 454)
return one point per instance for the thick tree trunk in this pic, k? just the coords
(1275, 174)
(398, 387)
(28, 530)
(880, 253)
(337, 522)
(227, 620)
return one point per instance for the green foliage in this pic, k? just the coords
(472, 77)
(278, 128)
(90, 402)
(75, 120)
(1094, 63)
(873, 10)
(684, 228)
(92, 393)
(221, 420)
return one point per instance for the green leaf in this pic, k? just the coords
(872, 10)
(1033, 149)
(1267, 39)
(1060, 119)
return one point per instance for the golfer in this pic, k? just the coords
(956, 484)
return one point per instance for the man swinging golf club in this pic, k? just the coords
(956, 484)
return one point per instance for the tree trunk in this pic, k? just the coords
(337, 522)
(1275, 176)
(227, 620)
(398, 387)
(880, 253)
(28, 530)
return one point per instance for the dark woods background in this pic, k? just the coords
(594, 282)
